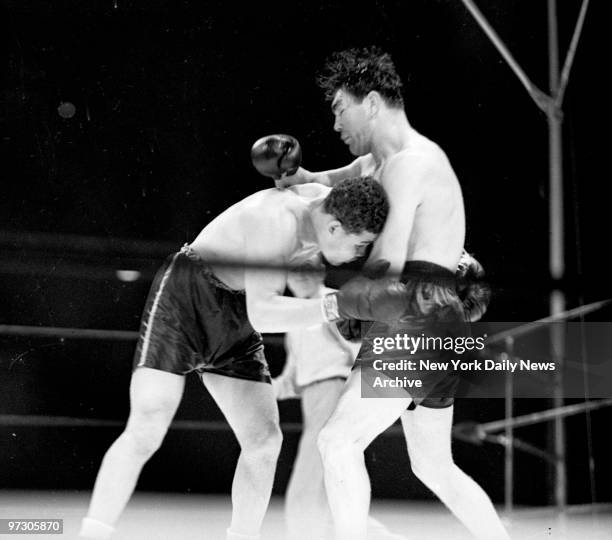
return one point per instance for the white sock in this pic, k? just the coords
(95, 530)
(237, 536)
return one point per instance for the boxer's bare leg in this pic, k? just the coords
(154, 398)
(428, 436)
(306, 507)
(251, 410)
(352, 427)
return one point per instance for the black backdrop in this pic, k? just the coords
(169, 97)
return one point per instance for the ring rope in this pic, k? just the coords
(25, 420)
(573, 313)
(131, 335)
(543, 416)
(63, 333)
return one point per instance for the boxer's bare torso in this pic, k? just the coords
(420, 176)
(231, 236)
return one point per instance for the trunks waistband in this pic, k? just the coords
(189, 252)
(427, 272)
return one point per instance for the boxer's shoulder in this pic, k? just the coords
(309, 192)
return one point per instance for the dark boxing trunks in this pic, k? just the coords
(194, 322)
(435, 315)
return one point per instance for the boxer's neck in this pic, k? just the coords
(391, 134)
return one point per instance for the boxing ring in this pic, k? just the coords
(197, 513)
(154, 516)
(211, 513)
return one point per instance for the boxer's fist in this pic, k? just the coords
(369, 298)
(384, 300)
(301, 176)
(350, 329)
(276, 155)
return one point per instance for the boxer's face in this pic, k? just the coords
(339, 246)
(351, 121)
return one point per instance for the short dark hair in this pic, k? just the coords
(360, 204)
(361, 71)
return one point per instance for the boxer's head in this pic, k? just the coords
(354, 213)
(359, 83)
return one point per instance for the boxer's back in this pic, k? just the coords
(225, 237)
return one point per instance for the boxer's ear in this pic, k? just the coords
(334, 226)
(373, 102)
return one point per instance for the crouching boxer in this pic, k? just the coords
(204, 313)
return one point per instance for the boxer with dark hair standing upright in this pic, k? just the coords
(422, 240)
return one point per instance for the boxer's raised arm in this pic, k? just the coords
(327, 178)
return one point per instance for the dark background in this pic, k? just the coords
(169, 97)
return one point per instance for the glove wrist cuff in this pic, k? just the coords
(329, 307)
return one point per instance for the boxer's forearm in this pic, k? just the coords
(327, 178)
(284, 314)
(332, 177)
(303, 176)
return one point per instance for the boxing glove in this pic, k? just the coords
(350, 327)
(383, 300)
(276, 155)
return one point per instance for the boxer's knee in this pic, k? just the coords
(434, 473)
(146, 429)
(154, 398)
(335, 449)
(145, 439)
(263, 444)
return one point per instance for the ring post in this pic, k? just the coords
(557, 256)
(509, 433)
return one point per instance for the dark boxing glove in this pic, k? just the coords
(383, 300)
(276, 155)
(350, 329)
(369, 298)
